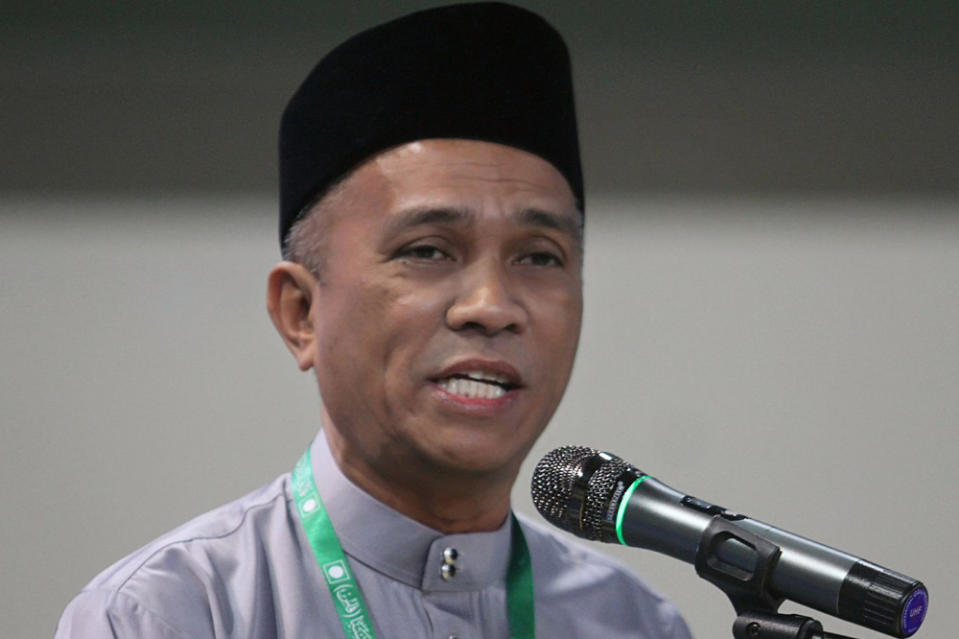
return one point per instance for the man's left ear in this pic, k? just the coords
(289, 296)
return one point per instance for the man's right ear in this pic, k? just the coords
(289, 299)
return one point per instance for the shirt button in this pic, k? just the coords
(452, 637)
(447, 571)
(450, 555)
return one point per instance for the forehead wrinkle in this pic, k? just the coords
(425, 215)
(498, 179)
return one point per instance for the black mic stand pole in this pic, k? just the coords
(749, 591)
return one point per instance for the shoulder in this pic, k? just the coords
(103, 614)
(183, 574)
(570, 576)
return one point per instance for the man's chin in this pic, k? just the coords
(475, 456)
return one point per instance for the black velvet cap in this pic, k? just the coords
(484, 71)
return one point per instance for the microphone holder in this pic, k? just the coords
(764, 625)
(748, 590)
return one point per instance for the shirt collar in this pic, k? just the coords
(399, 547)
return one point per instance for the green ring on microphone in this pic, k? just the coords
(622, 508)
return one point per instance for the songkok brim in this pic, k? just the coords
(486, 71)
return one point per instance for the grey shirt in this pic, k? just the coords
(246, 570)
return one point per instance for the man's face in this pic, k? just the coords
(448, 308)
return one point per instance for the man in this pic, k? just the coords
(431, 217)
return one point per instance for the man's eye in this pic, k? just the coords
(541, 259)
(423, 252)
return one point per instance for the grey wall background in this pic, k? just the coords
(772, 274)
(796, 360)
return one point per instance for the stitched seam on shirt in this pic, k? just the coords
(157, 617)
(414, 583)
(239, 524)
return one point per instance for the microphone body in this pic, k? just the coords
(599, 496)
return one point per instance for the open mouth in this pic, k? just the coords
(476, 385)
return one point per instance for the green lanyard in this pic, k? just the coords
(347, 598)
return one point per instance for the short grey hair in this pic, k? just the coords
(305, 241)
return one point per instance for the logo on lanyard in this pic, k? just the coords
(348, 597)
(336, 572)
(360, 630)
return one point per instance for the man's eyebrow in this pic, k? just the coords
(537, 217)
(421, 216)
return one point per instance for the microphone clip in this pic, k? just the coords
(740, 564)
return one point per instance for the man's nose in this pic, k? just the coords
(485, 302)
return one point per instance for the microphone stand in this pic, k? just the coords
(749, 592)
(763, 625)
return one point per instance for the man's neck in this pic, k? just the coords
(448, 502)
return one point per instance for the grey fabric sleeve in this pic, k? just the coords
(102, 614)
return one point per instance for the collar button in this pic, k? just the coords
(447, 571)
(450, 555)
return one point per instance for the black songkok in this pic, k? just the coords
(485, 71)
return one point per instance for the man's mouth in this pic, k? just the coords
(476, 385)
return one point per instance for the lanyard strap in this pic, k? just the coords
(344, 590)
(519, 588)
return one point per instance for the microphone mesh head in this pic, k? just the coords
(553, 478)
(552, 489)
(599, 495)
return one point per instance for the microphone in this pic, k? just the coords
(598, 496)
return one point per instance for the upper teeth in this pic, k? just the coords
(487, 377)
(471, 388)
